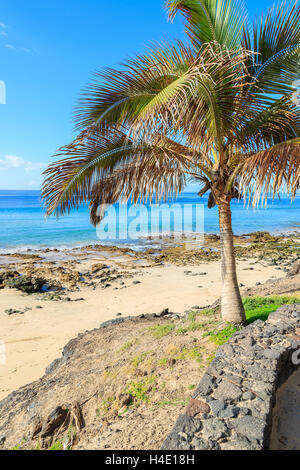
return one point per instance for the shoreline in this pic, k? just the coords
(143, 243)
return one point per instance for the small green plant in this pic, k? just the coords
(18, 446)
(107, 404)
(137, 360)
(222, 336)
(192, 387)
(163, 361)
(140, 390)
(193, 353)
(210, 358)
(58, 445)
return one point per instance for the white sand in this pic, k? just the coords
(35, 339)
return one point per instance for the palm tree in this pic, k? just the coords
(219, 112)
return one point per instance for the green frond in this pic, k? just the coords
(275, 42)
(211, 20)
(117, 96)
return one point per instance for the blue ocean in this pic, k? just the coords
(23, 224)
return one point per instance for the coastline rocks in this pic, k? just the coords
(295, 270)
(239, 387)
(28, 285)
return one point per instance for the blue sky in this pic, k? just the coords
(48, 51)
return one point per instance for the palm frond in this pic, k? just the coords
(211, 20)
(116, 96)
(275, 43)
(89, 166)
(277, 122)
(270, 171)
(203, 103)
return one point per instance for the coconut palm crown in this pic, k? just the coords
(218, 111)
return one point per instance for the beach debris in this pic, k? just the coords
(13, 311)
(55, 421)
(57, 297)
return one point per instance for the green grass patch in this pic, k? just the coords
(193, 326)
(162, 330)
(192, 316)
(163, 361)
(172, 403)
(222, 336)
(256, 308)
(259, 308)
(107, 404)
(193, 353)
(127, 346)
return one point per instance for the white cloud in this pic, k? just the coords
(11, 162)
(3, 25)
(26, 50)
(3, 33)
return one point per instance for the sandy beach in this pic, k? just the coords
(35, 338)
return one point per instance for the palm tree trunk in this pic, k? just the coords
(231, 305)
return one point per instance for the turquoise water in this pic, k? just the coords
(22, 222)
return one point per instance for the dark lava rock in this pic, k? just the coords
(227, 391)
(28, 285)
(163, 313)
(12, 311)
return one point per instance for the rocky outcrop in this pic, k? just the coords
(26, 284)
(232, 406)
